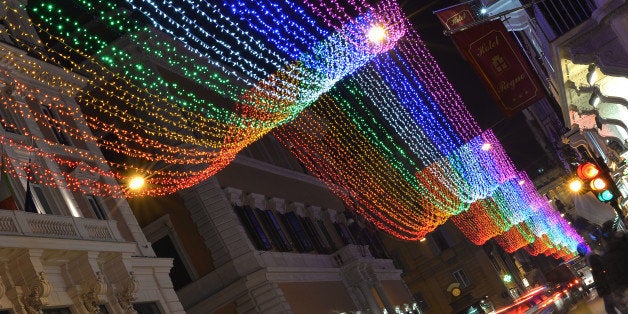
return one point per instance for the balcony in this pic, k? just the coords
(14, 222)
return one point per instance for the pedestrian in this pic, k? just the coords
(616, 262)
(602, 285)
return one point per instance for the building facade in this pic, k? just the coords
(263, 236)
(61, 250)
(446, 273)
(579, 50)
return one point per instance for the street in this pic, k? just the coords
(590, 305)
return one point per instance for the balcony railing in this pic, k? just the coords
(15, 222)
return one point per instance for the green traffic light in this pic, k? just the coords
(605, 196)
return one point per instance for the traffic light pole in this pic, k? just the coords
(619, 213)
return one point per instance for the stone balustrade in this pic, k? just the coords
(14, 222)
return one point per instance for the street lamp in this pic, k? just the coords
(576, 185)
(136, 182)
(376, 34)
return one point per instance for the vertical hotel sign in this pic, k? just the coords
(494, 55)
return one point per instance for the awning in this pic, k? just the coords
(590, 208)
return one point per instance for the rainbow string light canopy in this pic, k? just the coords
(172, 92)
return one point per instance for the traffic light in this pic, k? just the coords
(594, 179)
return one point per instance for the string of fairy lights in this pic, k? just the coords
(173, 91)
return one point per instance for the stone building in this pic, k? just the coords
(62, 251)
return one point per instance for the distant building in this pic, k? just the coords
(446, 273)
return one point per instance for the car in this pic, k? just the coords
(527, 303)
(564, 280)
(554, 298)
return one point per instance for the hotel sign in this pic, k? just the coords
(456, 16)
(498, 60)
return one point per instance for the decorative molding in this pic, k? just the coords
(256, 200)
(234, 195)
(126, 293)
(297, 207)
(36, 294)
(96, 290)
(3, 288)
(314, 212)
(277, 204)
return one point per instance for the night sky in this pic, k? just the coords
(513, 132)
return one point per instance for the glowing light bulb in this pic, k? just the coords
(486, 146)
(376, 34)
(598, 184)
(575, 185)
(136, 183)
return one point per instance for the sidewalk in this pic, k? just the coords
(589, 305)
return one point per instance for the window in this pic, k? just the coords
(323, 229)
(301, 239)
(96, 208)
(61, 310)
(253, 227)
(461, 277)
(440, 240)
(344, 233)
(420, 301)
(277, 236)
(494, 263)
(564, 15)
(320, 245)
(179, 274)
(56, 130)
(42, 204)
(7, 123)
(147, 308)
